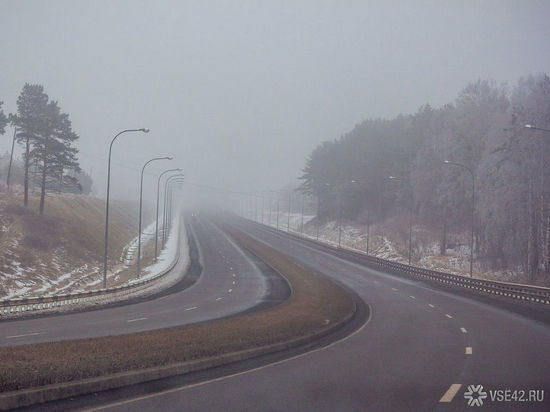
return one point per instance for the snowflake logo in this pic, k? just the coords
(475, 395)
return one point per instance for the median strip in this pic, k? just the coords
(54, 370)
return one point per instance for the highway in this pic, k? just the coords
(419, 350)
(231, 282)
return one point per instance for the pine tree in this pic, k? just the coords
(29, 120)
(54, 152)
(3, 120)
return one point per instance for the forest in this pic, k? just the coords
(472, 159)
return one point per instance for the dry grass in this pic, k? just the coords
(69, 235)
(315, 303)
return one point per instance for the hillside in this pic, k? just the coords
(63, 249)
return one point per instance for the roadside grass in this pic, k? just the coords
(315, 305)
(69, 235)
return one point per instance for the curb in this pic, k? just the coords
(28, 397)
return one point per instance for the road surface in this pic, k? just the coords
(231, 282)
(421, 346)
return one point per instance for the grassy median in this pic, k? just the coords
(314, 306)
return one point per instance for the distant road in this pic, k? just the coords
(420, 346)
(231, 282)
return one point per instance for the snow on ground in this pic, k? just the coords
(168, 254)
(27, 281)
(456, 260)
(295, 220)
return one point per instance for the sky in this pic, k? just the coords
(241, 92)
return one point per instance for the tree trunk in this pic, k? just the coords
(26, 183)
(43, 187)
(443, 244)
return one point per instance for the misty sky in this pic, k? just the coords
(240, 92)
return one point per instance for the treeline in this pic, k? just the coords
(17, 176)
(49, 157)
(482, 131)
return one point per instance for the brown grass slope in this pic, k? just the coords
(69, 235)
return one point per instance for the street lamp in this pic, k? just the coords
(529, 126)
(448, 162)
(170, 204)
(340, 212)
(288, 219)
(140, 208)
(410, 221)
(157, 213)
(107, 202)
(181, 175)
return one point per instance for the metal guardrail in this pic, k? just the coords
(18, 306)
(533, 295)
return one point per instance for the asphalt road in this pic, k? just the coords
(231, 282)
(420, 346)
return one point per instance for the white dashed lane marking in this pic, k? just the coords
(135, 320)
(451, 392)
(230, 290)
(22, 336)
(412, 297)
(219, 298)
(430, 305)
(463, 330)
(449, 316)
(192, 308)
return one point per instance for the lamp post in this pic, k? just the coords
(140, 208)
(288, 220)
(317, 212)
(106, 242)
(410, 220)
(157, 208)
(302, 220)
(278, 199)
(530, 126)
(179, 175)
(170, 202)
(263, 204)
(270, 206)
(448, 162)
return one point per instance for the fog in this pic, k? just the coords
(241, 92)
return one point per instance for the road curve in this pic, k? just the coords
(231, 282)
(420, 350)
